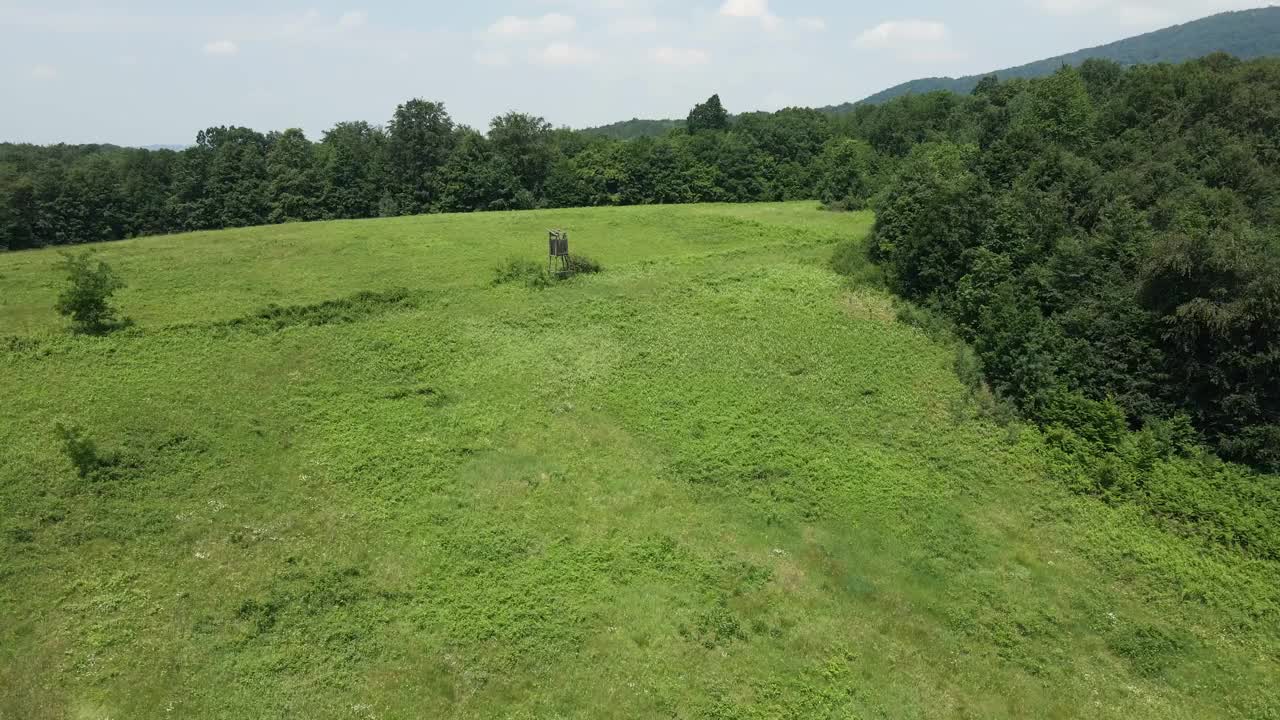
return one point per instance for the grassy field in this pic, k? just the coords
(717, 480)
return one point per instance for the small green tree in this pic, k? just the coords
(86, 300)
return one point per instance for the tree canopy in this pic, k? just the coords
(709, 115)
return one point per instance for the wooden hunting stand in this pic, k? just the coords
(558, 255)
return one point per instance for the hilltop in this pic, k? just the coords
(335, 470)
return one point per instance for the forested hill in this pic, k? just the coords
(1245, 34)
(635, 128)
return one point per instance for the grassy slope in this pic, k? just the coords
(714, 481)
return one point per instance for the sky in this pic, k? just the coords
(150, 72)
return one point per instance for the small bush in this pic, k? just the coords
(968, 367)
(515, 270)
(1164, 438)
(933, 324)
(535, 275)
(86, 300)
(852, 259)
(583, 265)
(999, 410)
(1100, 422)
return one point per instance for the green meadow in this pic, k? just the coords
(338, 472)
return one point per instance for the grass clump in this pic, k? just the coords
(1149, 649)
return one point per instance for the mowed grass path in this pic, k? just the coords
(715, 481)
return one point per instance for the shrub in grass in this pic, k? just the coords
(87, 297)
(583, 265)
(522, 270)
(536, 275)
(932, 323)
(852, 260)
(515, 270)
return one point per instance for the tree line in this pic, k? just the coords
(420, 162)
(1109, 242)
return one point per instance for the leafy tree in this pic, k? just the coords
(1057, 110)
(352, 161)
(476, 177)
(848, 173)
(934, 211)
(708, 116)
(525, 142)
(294, 184)
(235, 186)
(87, 297)
(18, 213)
(420, 139)
(1217, 295)
(987, 86)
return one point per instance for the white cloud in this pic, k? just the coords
(911, 40)
(897, 33)
(353, 19)
(549, 24)
(564, 54)
(751, 10)
(812, 24)
(633, 26)
(44, 72)
(745, 8)
(682, 57)
(1151, 13)
(314, 28)
(594, 5)
(221, 47)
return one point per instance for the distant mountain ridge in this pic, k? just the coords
(1246, 34)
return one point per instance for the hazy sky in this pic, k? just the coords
(147, 72)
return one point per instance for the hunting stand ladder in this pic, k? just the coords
(558, 255)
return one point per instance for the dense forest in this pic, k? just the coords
(1107, 239)
(635, 128)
